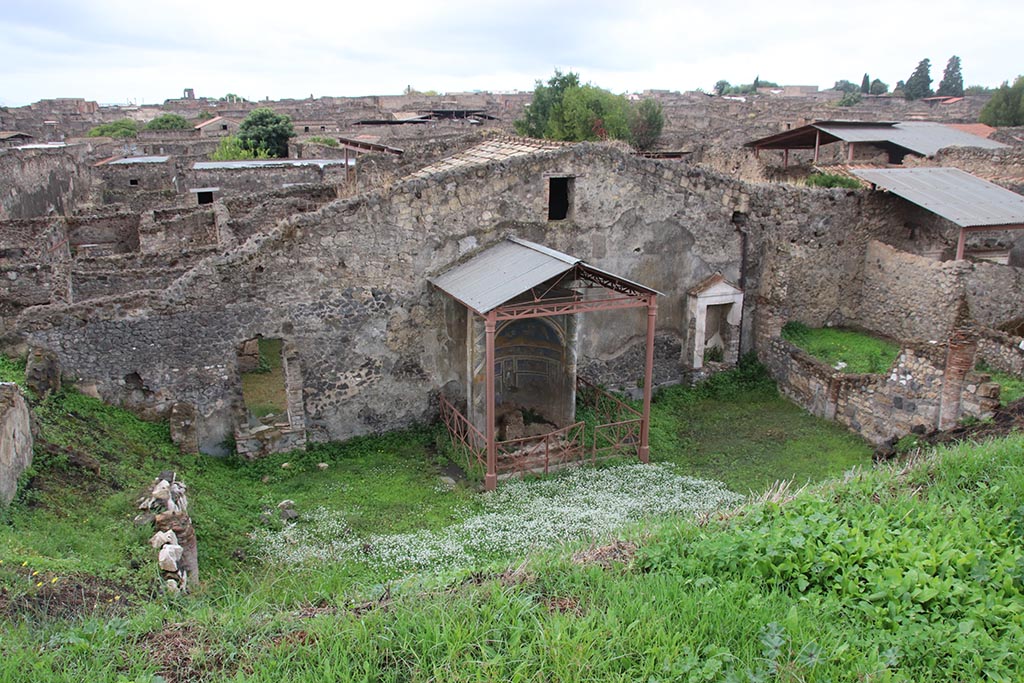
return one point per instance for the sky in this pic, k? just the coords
(116, 51)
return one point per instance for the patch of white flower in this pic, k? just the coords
(519, 517)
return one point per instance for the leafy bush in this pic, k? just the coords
(230, 149)
(849, 99)
(832, 180)
(169, 122)
(322, 140)
(125, 128)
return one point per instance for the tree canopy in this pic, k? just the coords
(125, 128)
(265, 129)
(920, 82)
(231, 149)
(952, 83)
(845, 86)
(865, 85)
(1006, 108)
(169, 122)
(878, 87)
(563, 109)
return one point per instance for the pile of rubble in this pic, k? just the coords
(166, 507)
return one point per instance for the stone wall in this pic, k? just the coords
(177, 230)
(925, 389)
(16, 444)
(346, 284)
(1001, 351)
(246, 180)
(906, 296)
(41, 182)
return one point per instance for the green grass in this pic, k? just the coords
(264, 389)
(1012, 385)
(736, 428)
(861, 352)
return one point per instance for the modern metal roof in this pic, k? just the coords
(139, 160)
(263, 163)
(506, 270)
(958, 196)
(922, 137)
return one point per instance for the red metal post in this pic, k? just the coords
(491, 479)
(652, 315)
(849, 153)
(961, 241)
(785, 158)
(817, 144)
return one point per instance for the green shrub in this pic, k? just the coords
(322, 140)
(125, 128)
(230, 149)
(832, 180)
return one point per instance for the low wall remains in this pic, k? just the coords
(16, 444)
(929, 386)
(1001, 351)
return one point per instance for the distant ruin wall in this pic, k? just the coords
(41, 182)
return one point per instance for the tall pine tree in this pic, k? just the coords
(865, 84)
(952, 83)
(920, 82)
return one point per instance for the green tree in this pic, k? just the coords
(978, 90)
(265, 129)
(546, 105)
(125, 128)
(865, 85)
(952, 83)
(232, 149)
(169, 122)
(920, 82)
(845, 86)
(562, 109)
(722, 87)
(647, 121)
(878, 87)
(1006, 108)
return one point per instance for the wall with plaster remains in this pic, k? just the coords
(16, 444)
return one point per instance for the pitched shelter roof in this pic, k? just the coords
(960, 197)
(509, 269)
(496, 149)
(920, 137)
(14, 135)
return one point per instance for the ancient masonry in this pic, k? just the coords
(166, 507)
(153, 306)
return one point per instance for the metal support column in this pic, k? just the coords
(817, 144)
(491, 479)
(961, 241)
(645, 426)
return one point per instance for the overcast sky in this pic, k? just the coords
(116, 51)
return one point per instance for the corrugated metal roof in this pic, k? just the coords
(923, 137)
(951, 193)
(263, 163)
(140, 160)
(511, 268)
(501, 273)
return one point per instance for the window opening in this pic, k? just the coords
(204, 197)
(559, 197)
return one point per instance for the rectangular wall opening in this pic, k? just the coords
(263, 381)
(204, 197)
(559, 198)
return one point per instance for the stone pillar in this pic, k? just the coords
(184, 427)
(15, 440)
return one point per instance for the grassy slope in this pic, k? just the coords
(780, 593)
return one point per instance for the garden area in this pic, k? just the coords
(847, 350)
(395, 572)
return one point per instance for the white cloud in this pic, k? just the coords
(112, 50)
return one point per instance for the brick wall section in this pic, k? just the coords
(39, 182)
(919, 390)
(178, 230)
